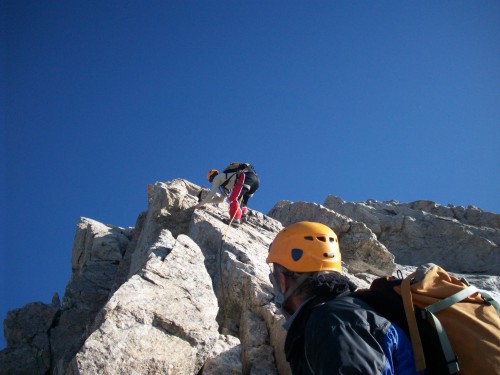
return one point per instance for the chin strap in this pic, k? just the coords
(280, 298)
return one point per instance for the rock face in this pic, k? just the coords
(173, 335)
(97, 252)
(460, 240)
(183, 293)
(28, 345)
(358, 244)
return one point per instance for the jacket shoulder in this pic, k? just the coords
(349, 311)
(349, 327)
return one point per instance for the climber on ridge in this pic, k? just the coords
(237, 182)
(329, 331)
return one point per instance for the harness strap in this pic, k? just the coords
(222, 187)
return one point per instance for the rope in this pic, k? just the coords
(219, 256)
(232, 218)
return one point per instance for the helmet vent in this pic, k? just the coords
(320, 238)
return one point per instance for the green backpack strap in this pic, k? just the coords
(450, 356)
(451, 300)
(488, 298)
(492, 301)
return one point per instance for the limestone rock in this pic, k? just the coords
(26, 332)
(170, 207)
(184, 293)
(423, 232)
(225, 358)
(26, 359)
(466, 215)
(359, 246)
(236, 262)
(97, 252)
(162, 320)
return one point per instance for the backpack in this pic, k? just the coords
(241, 167)
(232, 169)
(453, 328)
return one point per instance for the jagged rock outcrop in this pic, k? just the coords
(460, 240)
(161, 321)
(26, 332)
(360, 248)
(97, 252)
(467, 215)
(182, 292)
(225, 358)
(236, 259)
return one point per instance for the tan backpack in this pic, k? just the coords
(466, 320)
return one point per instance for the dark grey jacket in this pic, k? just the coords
(346, 336)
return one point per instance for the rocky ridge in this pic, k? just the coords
(183, 293)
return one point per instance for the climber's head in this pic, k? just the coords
(306, 263)
(211, 174)
(306, 247)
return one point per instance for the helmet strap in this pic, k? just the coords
(297, 282)
(280, 298)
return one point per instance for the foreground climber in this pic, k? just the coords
(329, 332)
(237, 182)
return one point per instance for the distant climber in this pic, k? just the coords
(329, 331)
(237, 182)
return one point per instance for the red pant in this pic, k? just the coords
(234, 205)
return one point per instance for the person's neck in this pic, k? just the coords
(293, 303)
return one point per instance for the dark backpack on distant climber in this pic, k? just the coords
(453, 327)
(239, 167)
(235, 168)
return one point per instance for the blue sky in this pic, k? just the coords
(359, 99)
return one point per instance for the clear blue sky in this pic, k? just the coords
(359, 99)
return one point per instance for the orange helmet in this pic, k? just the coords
(306, 247)
(211, 174)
